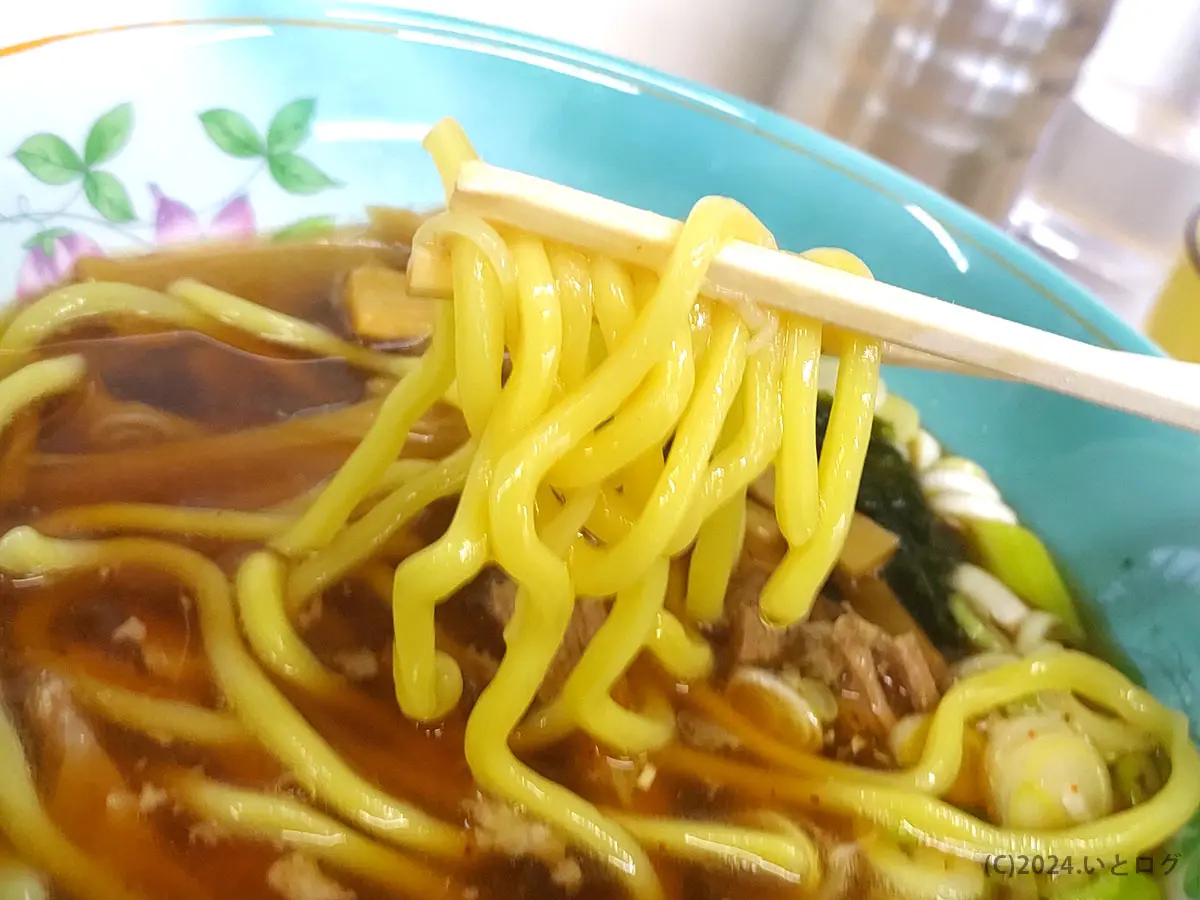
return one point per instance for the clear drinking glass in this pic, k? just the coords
(1117, 175)
(954, 92)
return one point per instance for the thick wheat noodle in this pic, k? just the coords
(263, 710)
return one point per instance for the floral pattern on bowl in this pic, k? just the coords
(100, 202)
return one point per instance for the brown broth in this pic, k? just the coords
(243, 427)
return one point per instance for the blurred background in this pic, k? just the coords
(1073, 124)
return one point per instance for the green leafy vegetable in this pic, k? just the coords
(50, 159)
(979, 632)
(108, 134)
(928, 554)
(1017, 557)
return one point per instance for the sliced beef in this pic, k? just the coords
(875, 601)
(752, 642)
(915, 673)
(876, 677)
(856, 638)
(586, 618)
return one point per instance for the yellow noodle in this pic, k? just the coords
(754, 444)
(797, 487)
(625, 731)
(574, 279)
(612, 518)
(916, 877)
(643, 423)
(269, 630)
(74, 304)
(640, 479)
(616, 311)
(161, 719)
(225, 524)
(790, 591)
(899, 802)
(449, 147)
(532, 637)
(483, 276)
(578, 414)
(608, 569)
(35, 837)
(791, 857)
(282, 820)
(35, 382)
(545, 584)
(584, 700)
(280, 328)
(482, 341)
(429, 577)
(685, 656)
(718, 547)
(700, 322)
(613, 301)
(263, 710)
(406, 402)
(1066, 671)
(448, 227)
(395, 475)
(362, 539)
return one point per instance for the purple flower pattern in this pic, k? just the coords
(53, 251)
(49, 262)
(175, 222)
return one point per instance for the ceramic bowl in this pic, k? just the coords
(226, 117)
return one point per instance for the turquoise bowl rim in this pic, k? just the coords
(1105, 326)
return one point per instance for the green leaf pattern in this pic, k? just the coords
(44, 240)
(233, 133)
(108, 135)
(290, 127)
(305, 230)
(297, 175)
(108, 196)
(52, 160)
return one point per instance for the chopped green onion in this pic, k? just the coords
(1016, 556)
(978, 632)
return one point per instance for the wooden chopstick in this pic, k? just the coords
(1160, 389)
(429, 276)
